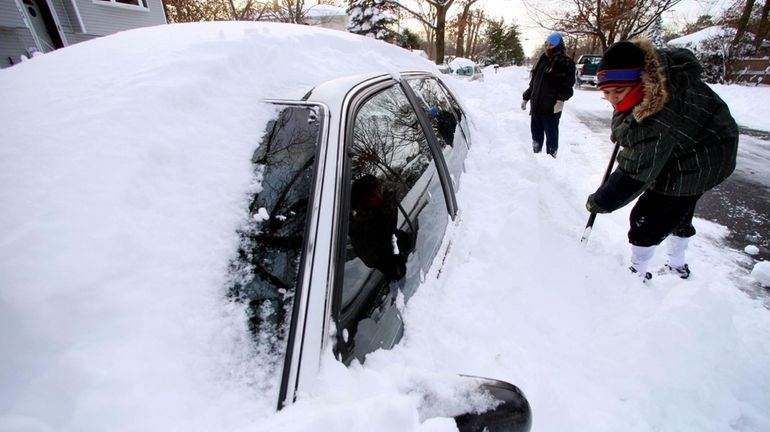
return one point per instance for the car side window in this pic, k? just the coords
(434, 101)
(396, 222)
(266, 273)
(446, 118)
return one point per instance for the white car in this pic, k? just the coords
(177, 215)
(466, 69)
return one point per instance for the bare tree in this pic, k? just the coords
(289, 11)
(606, 20)
(476, 22)
(435, 21)
(429, 30)
(764, 25)
(462, 25)
(179, 11)
(213, 10)
(743, 22)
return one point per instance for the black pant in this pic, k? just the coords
(547, 125)
(655, 216)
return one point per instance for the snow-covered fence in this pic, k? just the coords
(751, 70)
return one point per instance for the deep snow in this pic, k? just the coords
(100, 331)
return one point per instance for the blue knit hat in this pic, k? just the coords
(554, 39)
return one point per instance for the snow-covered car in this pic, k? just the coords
(188, 233)
(466, 69)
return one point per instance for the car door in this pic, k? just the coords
(397, 205)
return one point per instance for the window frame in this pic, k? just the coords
(144, 5)
(354, 100)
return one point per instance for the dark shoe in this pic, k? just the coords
(647, 276)
(683, 272)
(537, 147)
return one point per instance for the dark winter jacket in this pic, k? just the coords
(372, 229)
(680, 140)
(552, 79)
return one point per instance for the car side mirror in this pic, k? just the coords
(476, 404)
(511, 414)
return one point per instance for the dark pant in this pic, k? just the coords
(655, 216)
(547, 124)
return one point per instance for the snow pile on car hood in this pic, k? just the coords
(125, 164)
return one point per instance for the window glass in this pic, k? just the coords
(446, 115)
(438, 107)
(396, 222)
(267, 270)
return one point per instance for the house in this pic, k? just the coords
(30, 26)
(753, 69)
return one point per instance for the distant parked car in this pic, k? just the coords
(466, 69)
(585, 73)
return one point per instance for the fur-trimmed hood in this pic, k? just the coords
(663, 70)
(654, 78)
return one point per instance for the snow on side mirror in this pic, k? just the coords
(476, 404)
(510, 414)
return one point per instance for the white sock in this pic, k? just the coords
(640, 258)
(677, 246)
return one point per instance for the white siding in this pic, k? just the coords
(101, 19)
(10, 15)
(13, 43)
(80, 20)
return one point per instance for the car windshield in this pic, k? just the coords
(267, 271)
(465, 71)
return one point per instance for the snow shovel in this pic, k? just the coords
(592, 217)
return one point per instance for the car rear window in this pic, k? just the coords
(270, 257)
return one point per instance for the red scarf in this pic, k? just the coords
(632, 98)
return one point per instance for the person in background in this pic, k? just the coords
(678, 140)
(549, 86)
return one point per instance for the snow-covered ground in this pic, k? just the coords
(521, 300)
(593, 349)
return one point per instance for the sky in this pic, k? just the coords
(121, 202)
(533, 35)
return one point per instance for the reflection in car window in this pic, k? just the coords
(266, 273)
(446, 123)
(439, 108)
(394, 185)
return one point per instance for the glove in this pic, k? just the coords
(558, 106)
(395, 268)
(592, 207)
(524, 105)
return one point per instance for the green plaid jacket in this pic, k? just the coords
(681, 139)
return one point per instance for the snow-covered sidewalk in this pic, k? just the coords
(594, 349)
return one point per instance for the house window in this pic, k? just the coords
(127, 3)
